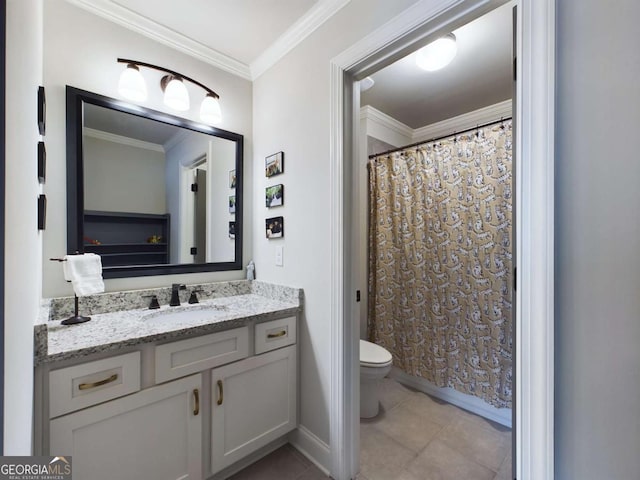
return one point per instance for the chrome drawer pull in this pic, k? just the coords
(87, 386)
(281, 333)
(196, 399)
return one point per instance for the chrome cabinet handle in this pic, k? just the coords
(87, 386)
(196, 401)
(220, 392)
(281, 333)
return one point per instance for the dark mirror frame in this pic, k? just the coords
(75, 182)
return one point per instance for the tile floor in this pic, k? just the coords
(415, 437)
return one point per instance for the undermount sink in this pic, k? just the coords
(186, 314)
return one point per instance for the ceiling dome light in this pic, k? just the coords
(437, 54)
(366, 84)
(210, 110)
(175, 93)
(132, 85)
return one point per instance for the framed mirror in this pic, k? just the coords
(151, 193)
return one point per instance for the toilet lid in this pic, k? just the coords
(372, 354)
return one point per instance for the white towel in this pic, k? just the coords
(85, 273)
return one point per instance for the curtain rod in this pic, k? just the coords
(423, 142)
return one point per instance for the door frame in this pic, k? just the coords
(534, 180)
(3, 113)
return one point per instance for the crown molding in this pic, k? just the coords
(374, 115)
(463, 122)
(130, 142)
(322, 11)
(445, 127)
(143, 25)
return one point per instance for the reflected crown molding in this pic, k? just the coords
(322, 11)
(131, 142)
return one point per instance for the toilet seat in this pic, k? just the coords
(374, 356)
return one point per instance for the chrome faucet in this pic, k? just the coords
(175, 298)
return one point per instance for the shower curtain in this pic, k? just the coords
(440, 261)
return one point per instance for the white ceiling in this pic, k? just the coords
(244, 37)
(241, 29)
(480, 75)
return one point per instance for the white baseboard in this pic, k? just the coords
(467, 402)
(311, 447)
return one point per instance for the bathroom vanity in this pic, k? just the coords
(175, 393)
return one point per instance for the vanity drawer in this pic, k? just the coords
(184, 357)
(81, 386)
(275, 334)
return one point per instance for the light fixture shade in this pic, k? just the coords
(176, 95)
(366, 84)
(437, 54)
(210, 110)
(132, 85)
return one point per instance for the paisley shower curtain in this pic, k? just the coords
(440, 261)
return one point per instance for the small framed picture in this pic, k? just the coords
(42, 162)
(274, 227)
(274, 164)
(274, 195)
(42, 110)
(232, 204)
(232, 179)
(232, 229)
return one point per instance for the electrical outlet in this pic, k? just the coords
(279, 256)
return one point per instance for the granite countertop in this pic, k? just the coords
(113, 330)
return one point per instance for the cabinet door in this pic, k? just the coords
(155, 434)
(253, 402)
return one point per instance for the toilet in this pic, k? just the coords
(375, 364)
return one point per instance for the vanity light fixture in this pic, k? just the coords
(133, 87)
(437, 54)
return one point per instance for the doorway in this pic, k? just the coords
(436, 282)
(417, 26)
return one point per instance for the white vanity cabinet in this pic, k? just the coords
(253, 403)
(188, 408)
(153, 434)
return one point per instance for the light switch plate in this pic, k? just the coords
(279, 256)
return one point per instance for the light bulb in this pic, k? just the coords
(437, 54)
(176, 95)
(210, 110)
(132, 85)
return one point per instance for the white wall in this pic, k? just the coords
(23, 244)
(597, 278)
(123, 178)
(291, 113)
(80, 49)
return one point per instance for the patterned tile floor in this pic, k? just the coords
(415, 437)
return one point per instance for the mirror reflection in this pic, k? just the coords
(152, 197)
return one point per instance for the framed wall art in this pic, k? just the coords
(274, 227)
(274, 195)
(274, 164)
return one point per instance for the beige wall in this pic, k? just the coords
(80, 49)
(597, 278)
(291, 113)
(123, 178)
(23, 242)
